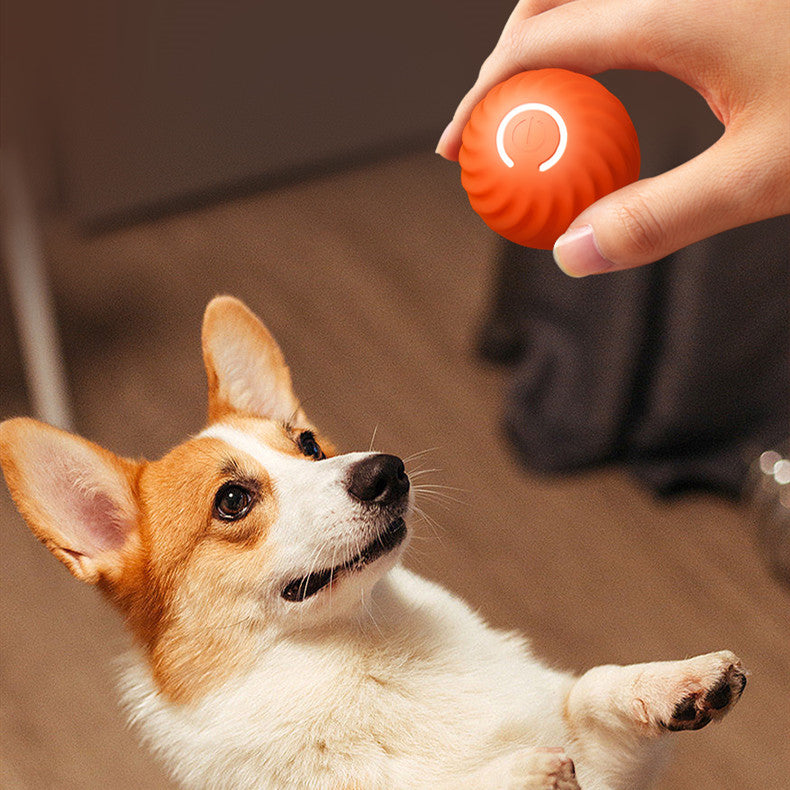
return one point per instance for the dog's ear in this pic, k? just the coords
(245, 368)
(77, 498)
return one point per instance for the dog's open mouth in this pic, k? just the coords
(303, 588)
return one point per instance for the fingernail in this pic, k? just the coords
(443, 139)
(576, 253)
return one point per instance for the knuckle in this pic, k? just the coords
(487, 66)
(641, 227)
(510, 47)
(508, 52)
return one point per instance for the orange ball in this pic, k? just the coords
(540, 148)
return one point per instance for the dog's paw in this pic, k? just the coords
(712, 699)
(540, 769)
(687, 695)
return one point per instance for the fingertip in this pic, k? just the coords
(449, 143)
(577, 253)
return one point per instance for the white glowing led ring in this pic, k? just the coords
(532, 106)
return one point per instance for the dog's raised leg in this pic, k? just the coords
(612, 712)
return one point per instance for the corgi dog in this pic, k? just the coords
(278, 642)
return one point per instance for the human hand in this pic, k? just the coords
(735, 53)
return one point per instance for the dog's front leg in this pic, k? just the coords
(612, 711)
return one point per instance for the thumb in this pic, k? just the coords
(721, 188)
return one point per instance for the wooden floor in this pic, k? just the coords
(373, 280)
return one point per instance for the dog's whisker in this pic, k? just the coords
(441, 486)
(445, 506)
(427, 493)
(417, 539)
(444, 502)
(421, 472)
(439, 492)
(429, 520)
(419, 453)
(433, 526)
(373, 438)
(313, 568)
(424, 551)
(439, 496)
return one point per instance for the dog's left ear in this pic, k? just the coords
(77, 498)
(245, 368)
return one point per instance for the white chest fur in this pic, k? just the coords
(413, 693)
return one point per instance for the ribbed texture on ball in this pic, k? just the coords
(531, 207)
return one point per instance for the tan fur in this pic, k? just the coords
(188, 558)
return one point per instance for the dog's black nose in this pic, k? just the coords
(378, 478)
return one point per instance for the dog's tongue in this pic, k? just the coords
(300, 589)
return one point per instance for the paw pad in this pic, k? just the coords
(696, 710)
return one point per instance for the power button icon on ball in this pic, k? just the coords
(536, 133)
(540, 148)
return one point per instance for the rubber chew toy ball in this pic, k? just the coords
(540, 148)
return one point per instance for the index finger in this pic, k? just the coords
(588, 36)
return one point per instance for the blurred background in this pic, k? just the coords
(158, 153)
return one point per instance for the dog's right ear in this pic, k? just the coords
(245, 368)
(77, 498)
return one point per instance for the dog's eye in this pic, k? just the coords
(309, 446)
(232, 502)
